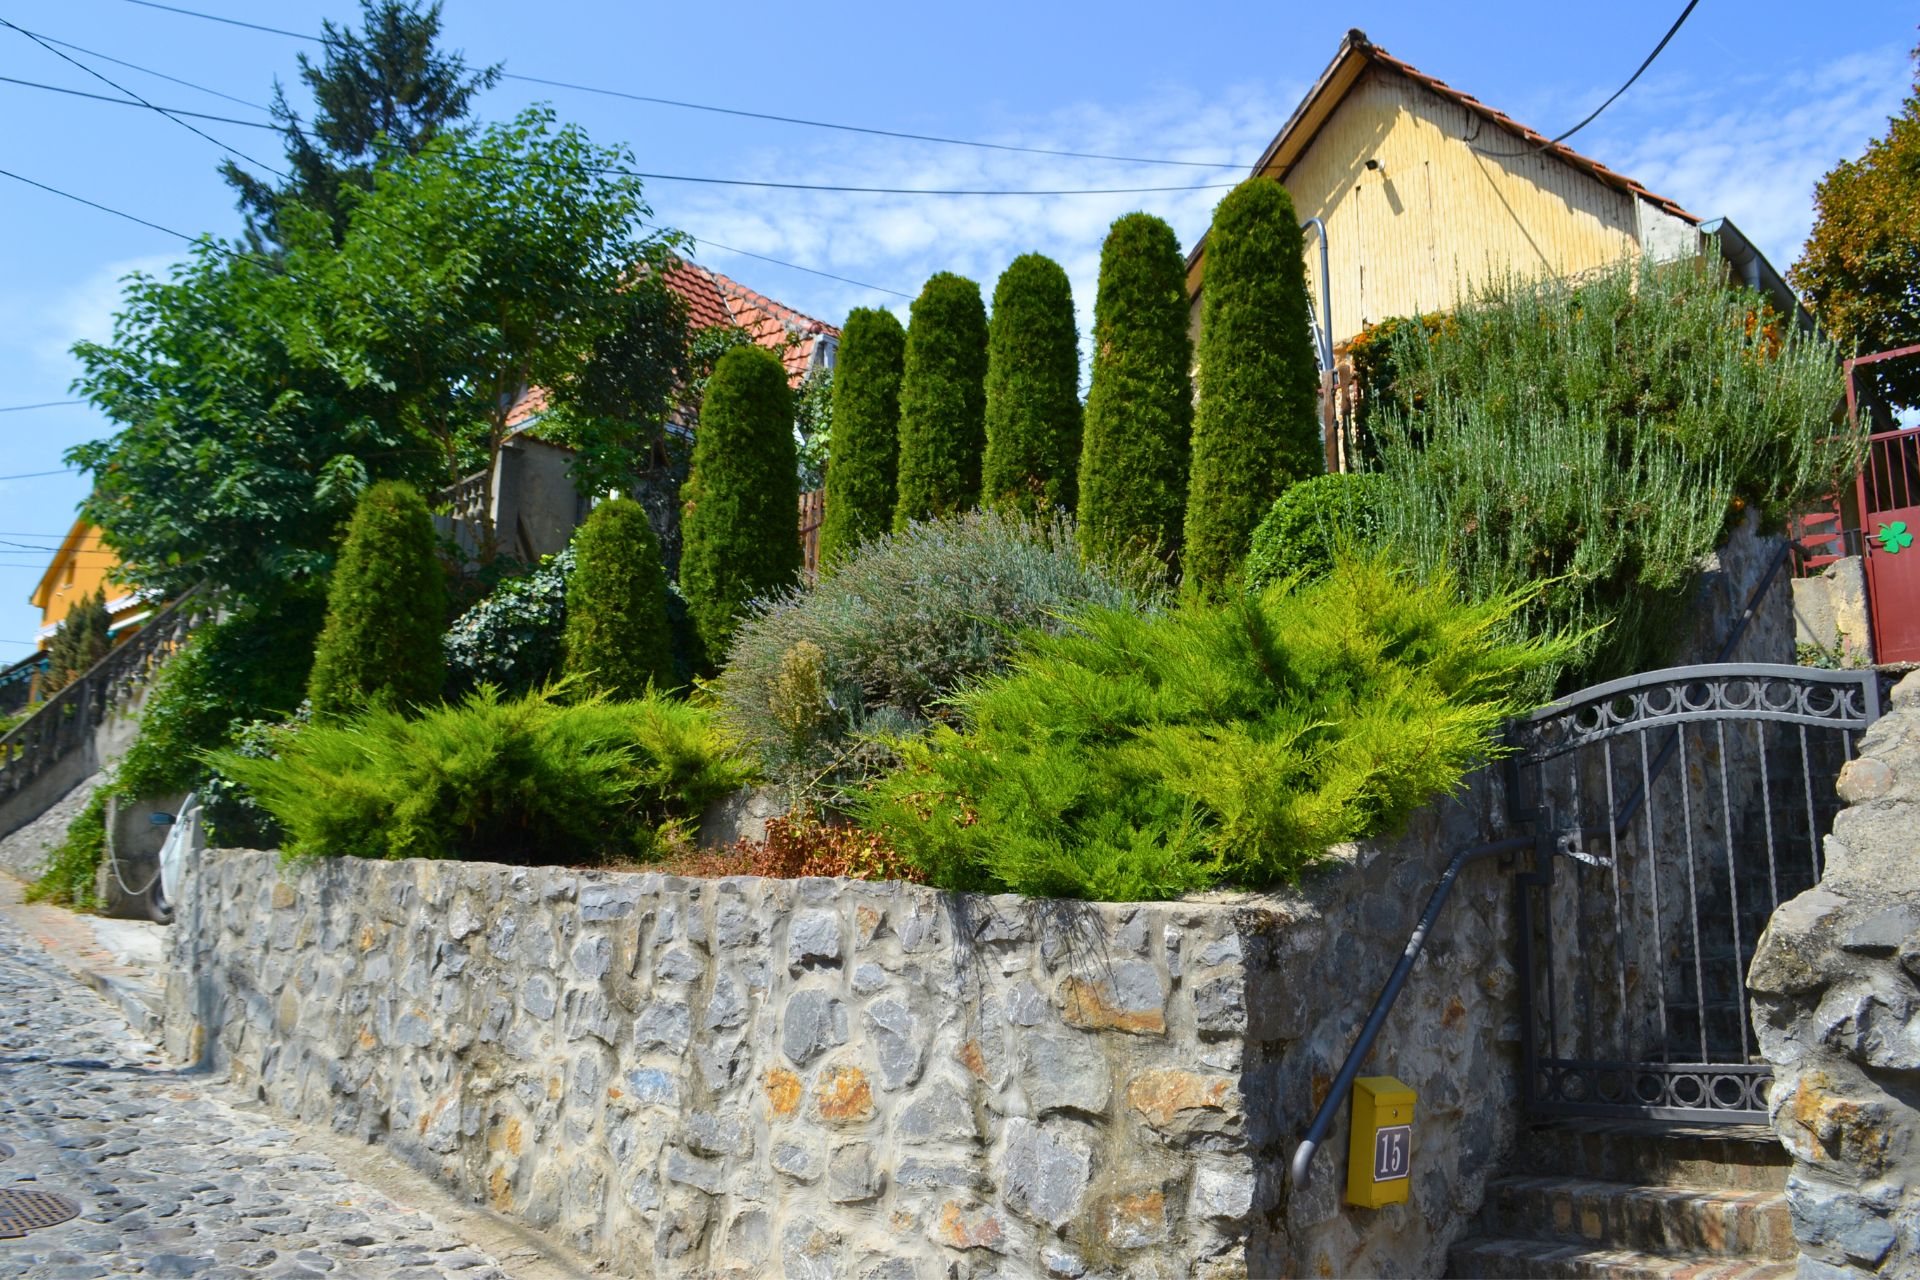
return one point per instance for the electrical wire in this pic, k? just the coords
(134, 66)
(736, 111)
(1595, 114)
(68, 58)
(616, 170)
(35, 475)
(45, 404)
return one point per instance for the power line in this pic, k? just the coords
(118, 213)
(68, 58)
(173, 113)
(45, 404)
(134, 66)
(35, 475)
(740, 112)
(1595, 113)
(812, 271)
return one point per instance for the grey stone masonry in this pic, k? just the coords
(1836, 997)
(815, 1078)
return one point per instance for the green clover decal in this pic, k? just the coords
(1894, 537)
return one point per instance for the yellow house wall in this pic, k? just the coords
(1437, 216)
(79, 571)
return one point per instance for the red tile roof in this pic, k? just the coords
(714, 300)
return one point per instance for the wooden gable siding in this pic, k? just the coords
(1438, 216)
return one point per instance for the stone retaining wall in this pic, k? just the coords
(835, 1078)
(1836, 1001)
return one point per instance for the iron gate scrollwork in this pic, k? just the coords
(1673, 812)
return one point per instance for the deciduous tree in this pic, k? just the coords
(1861, 266)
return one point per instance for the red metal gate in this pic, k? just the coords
(1889, 493)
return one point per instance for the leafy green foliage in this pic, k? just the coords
(1861, 265)
(813, 428)
(385, 611)
(543, 779)
(901, 623)
(258, 397)
(1142, 756)
(379, 92)
(250, 665)
(617, 640)
(1256, 429)
(1133, 461)
(861, 475)
(943, 401)
(1601, 436)
(741, 526)
(79, 641)
(512, 638)
(247, 666)
(69, 877)
(1033, 391)
(1309, 523)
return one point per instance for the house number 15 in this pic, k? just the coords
(1392, 1147)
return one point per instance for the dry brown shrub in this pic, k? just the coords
(797, 846)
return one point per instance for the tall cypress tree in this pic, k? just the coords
(386, 609)
(741, 530)
(863, 469)
(1033, 391)
(617, 639)
(1133, 461)
(1257, 428)
(943, 401)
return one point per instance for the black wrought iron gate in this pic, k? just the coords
(1673, 812)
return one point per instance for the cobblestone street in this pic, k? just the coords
(173, 1181)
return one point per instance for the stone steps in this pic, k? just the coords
(1663, 1219)
(1636, 1201)
(1550, 1260)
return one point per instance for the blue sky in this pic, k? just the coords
(1748, 106)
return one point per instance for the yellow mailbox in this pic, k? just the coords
(1380, 1150)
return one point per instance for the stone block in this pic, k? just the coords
(940, 1114)
(961, 1224)
(695, 1171)
(1134, 1220)
(727, 1005)
(593, 957)
(717, 1135)
(842, 1095)
(1222, 1191)
(1044, 1172)
(813, 939)
(852, 1177)
(899, 1044)
(799, 1159)
(678, 964)
(664, 1024)
(1063, 1070)
(812, 1023)
(1129, 996)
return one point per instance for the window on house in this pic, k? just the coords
(823, 353)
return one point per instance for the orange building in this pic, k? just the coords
(81, 567)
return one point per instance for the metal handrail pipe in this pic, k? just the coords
(1350, 1069)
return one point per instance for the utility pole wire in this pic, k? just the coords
(737, 111)
(1595, 114)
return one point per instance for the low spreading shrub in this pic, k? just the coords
(903, 622)
(1308, 523)
(547, 778)
(511, 639)
(1141, 756)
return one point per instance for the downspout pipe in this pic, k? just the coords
(1324, 340)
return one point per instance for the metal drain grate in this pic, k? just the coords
(24, 1211)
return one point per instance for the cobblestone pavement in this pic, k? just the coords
(173, 1181)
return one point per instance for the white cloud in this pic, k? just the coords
(898, 241)
(1751, 147)
(41, 331)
